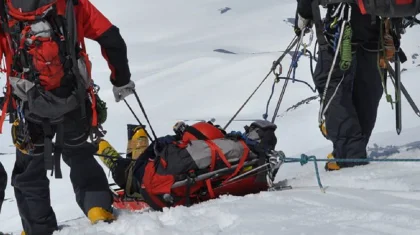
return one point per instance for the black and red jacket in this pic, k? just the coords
(91, 24)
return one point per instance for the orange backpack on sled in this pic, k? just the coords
(203, 165)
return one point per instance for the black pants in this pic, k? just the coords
(3, 183)
(351, 116)
(31, 184)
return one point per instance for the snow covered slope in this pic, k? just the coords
(179, 75)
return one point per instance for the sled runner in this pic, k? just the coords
(202, 166)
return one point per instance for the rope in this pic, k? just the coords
(265, 115)
(280, 99)
(304, 159)
(295, 64)
(295, 55)
(272, 70)
(323, 109)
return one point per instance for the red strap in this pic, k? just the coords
(241, 162)
(214, 147)
(213, 158)
(22, 40)
(361, 7)
(94, 113)
(210, 188)
(403, 2)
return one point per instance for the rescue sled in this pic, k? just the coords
(226, 172)
(251, 180)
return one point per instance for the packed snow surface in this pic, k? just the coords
(202, 59)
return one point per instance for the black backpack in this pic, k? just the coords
(382, 8)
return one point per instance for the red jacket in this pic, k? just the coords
(97, 27)
(91, 24)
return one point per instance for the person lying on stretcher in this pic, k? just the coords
(198, 163)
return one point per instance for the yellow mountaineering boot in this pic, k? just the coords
(107, 154)
(97, 214)
(138, 142)
(331, 166)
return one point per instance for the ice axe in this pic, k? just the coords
(404, 91)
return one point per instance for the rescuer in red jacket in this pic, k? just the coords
(49, 92)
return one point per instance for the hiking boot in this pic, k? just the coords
(97, 214)
(138, 143)
(331, 166)
(334, 166)
(107, 154)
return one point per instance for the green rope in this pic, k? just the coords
(346, 55)
(304, 159)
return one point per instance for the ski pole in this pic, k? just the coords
(215, 173)
(145, 114)
(295, 54)
(138, 120)
(134, 114)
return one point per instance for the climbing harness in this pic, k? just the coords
(346, 54)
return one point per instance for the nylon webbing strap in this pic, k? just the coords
(323, 44)
(71, 35)
(129, 184)
(58, 149)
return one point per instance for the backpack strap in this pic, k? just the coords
(52, 153)
(316, 14)
(71, 35)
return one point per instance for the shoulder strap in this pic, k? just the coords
(323, 44)
(71, 35)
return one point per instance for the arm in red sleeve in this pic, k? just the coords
(97, 27)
